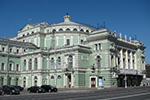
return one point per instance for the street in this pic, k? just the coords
(137, 93)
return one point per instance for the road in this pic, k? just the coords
(138, 93)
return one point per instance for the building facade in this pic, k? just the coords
(71, 55)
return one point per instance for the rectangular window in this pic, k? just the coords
(17, 67)
(68, 41)
(99, 46)
(95, 46)
(3, 49)
(10, 50)
(81, 41)
(2, 66)
(10, 67)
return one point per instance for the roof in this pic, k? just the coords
(17, 42)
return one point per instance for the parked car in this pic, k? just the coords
(49, 88)
(1, 91)
(36, 89)
(10, 90)
(19, 87)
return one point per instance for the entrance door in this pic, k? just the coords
(93, 82)
(69, 81)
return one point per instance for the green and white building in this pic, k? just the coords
(71, 55)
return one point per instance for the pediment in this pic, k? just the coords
(26, 27)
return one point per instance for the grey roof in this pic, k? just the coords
(17, 42)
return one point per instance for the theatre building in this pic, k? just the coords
(71, 55)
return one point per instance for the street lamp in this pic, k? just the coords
(125, 81)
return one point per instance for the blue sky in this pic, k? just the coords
(130, 17)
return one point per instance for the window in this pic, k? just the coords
(2, 66)
(3, 49)
(59, 77)
(98, 61)
(10, 67)
(35, 64)
(52, 77)
(27, 33)
(17, 51)
(9, 81)
(70, 61)
(74, 29)
(59, 62)
(67, 29)
(95, 46)
(24, 65)
(81, 41)
(53, 31)
(52, 63)
(17, 67)
(87, 31)
(32, 32)
(23, 35)
(99, 45)
(81, 30)
(10, 50)
(30, 64)
(61, 30)
(2, 81)
(68, 41)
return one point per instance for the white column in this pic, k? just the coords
(27, 63)
(48, 63)
(72, 80)
(71, 42)
(64, 80)
(78, 40)
(121, 54)
(126, 67)
(64, 40)
(39, 80)
(39, 41)
(45, 42)
(131, 60)
(57, 40)
(40, 62)
(74, 61)
(32, 68)
(135, 64)
(114, 61)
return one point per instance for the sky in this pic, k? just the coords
(129, 17)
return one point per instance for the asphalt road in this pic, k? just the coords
(138, 93)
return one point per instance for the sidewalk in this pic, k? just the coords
(94, 89)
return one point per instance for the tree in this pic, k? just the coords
(147, 70)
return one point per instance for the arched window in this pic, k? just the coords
(35, 78)
(59, 62)
(30, 64)
(98, 61)
(81, 30)
(27, 33)
(52, 77)
(59, 77)
(23, 35)
(35, 64)
(70, 61)
(9, 81)
(61, 30)
(2, 81)
(52, 63)
(53, 31)
(87, 31)
(24, 65)
(74, 29)
(67, 29)
(17, 81)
